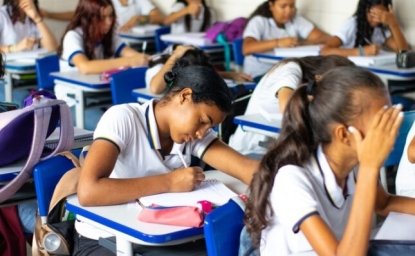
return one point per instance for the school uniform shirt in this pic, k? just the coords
(196, 23)
(73, 44)
(301, 192)
(262, 28)
(13, 33)
(264, 102)
(347, 34)
(405, 176)
(151, 72)
(132, 128)
(133, 8)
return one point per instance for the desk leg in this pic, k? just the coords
(73, 96)
(124, 247)
(8, 87)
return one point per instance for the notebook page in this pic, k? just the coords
(210, 190)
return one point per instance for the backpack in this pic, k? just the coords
(23, 134)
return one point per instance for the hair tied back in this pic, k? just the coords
(169, 77)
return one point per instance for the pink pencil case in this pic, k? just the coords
(106, 75)
(187, 216)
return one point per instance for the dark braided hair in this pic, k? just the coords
(364, 30)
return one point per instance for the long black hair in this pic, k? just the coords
(14, 10)
(207, 17)
(336, 98)
(364, 30)
(206, 84)
(263, 10)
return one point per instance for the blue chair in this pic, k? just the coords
(222, 229)
(237, 51)
(44, 66)
(46, 175)
(396, 154)
(123, 83)
(160, 45)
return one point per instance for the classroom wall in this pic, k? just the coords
(327, 14)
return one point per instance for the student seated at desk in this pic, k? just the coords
(189, 16)
(90, 43)
(187, 55)
(372, 27)
(137, 148)
(275, 24)
(22, 27)
(131, 13)
(274, 90)
(318, 187)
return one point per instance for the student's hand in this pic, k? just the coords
(185, 179)
(374, 148)
(29, 8)
(194, 8)
(129, 24)
(181, 50)
(240, 77)
(385, 17)
(26, 44)
(138, 60)
(286, 42)
(371, 50)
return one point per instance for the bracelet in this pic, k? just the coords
(361, 51)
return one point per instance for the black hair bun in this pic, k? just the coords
(170, 76)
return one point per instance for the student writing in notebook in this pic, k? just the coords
(373, 26)
(318, 188)
(90, 43)
(136, 149)
(189, 16)
(276, 24)
(274, 90)
(187, 55)
(22, 27)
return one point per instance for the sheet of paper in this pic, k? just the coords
(299, 51)
(211, 190)
(383, 58)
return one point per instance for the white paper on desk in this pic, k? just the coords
(211, 190)
(148, 29)
(26, 54)
(383, 58)
(196, 39)
(299, 51)
(397, 226)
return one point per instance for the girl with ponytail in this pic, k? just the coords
(318, 187)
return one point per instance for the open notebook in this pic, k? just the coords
(211, 190)
(383, 58)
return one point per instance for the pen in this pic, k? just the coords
(139, 203)
(179, 153)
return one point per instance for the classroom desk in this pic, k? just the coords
(143, 35)
(258, 124)
(397, 226)
(127, 229)
(75, 84)
(19, 65)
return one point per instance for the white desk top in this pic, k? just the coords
(75, 77)
(144, 94)
(127, 225)
(259, 124)
(196, 39)
(397, 226)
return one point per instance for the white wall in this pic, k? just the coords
(327, 14)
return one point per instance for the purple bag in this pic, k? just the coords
(231, 30)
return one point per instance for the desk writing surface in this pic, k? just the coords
(75, 77)
(22, 64)
(397, 226)
(26, 54)
(260, 122)
(299, 51)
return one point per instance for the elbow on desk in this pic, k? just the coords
(85, 198)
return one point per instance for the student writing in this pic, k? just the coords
(318, 188)
(22, 27)
(90, 43)
(274, 24)
(135, 146)
(373, 26)
(274, 90)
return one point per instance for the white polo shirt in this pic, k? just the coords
(405, 176)
(300, 192)
(133, 129)
(133, 7)
(196, 23)
(151, 72)
(13, 33)
(347, 34)
(73, 43)
(262, 28)
(264, 102)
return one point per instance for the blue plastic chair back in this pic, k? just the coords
(46, 175)
(222, 228)
(396, 154)
(44, 66)
(237, 51)
(160, 45)
(123, 83)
